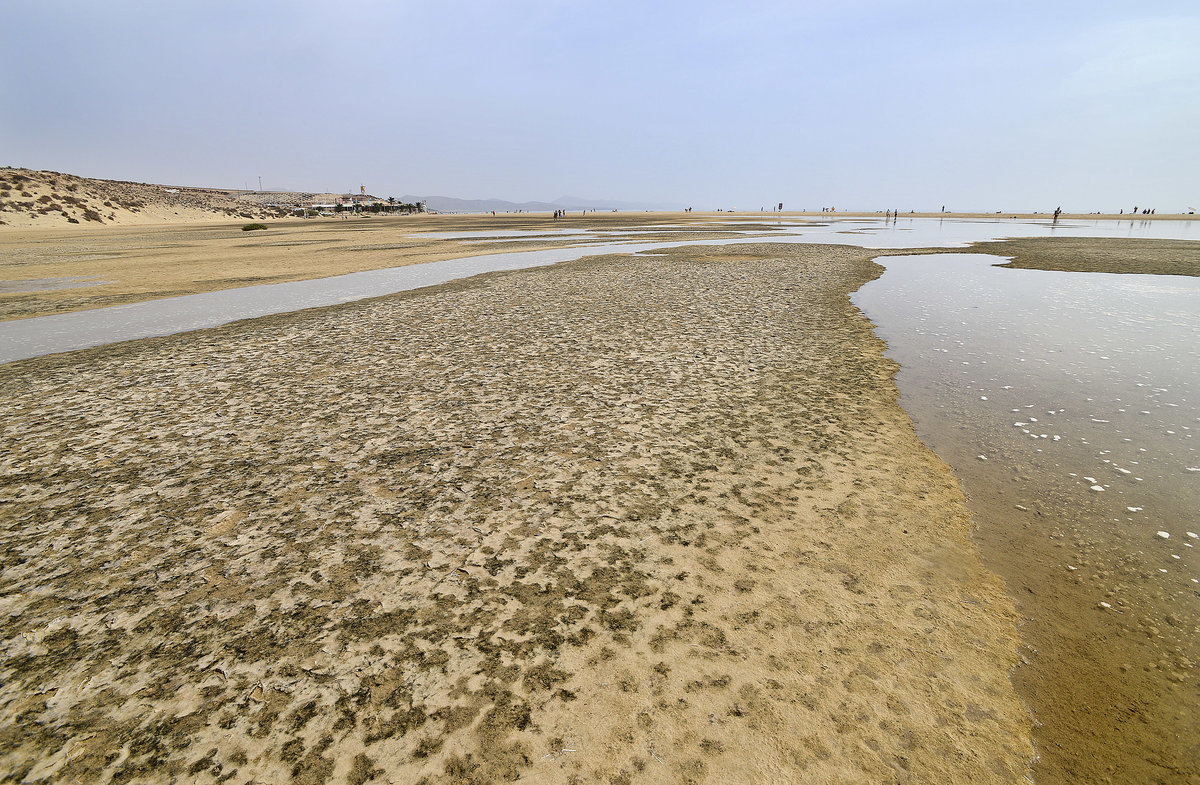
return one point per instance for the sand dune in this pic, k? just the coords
(31, 198)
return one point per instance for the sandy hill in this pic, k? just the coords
(30, 198)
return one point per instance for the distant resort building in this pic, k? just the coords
(330, 203)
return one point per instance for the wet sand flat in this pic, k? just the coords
(628, 519)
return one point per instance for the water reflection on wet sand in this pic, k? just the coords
(1068, 404)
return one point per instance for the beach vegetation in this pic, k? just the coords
(253, 227)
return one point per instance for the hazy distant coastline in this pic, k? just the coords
(450, 204)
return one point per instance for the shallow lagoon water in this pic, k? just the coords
(1069, 406)
(1108, 364)
(1090, 381)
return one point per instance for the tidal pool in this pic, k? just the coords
(1069, 406)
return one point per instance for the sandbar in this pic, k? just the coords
(628, 519)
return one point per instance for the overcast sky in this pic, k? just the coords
(860, 105)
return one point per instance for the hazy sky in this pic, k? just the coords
(860, 105)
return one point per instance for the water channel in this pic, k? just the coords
(1068, 404)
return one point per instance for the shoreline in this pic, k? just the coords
(781, 579)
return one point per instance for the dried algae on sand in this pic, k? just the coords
(649, 518)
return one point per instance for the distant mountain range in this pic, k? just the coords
(449, 204)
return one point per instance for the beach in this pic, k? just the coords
(595, 393)
(637, 517)
(634, 518)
